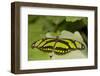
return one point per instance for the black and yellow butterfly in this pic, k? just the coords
(59, 46)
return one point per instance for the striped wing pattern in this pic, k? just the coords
(58, 46)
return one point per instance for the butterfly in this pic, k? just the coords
(58, 46)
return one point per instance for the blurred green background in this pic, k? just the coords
(39, 25)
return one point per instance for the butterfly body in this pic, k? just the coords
(59, 46)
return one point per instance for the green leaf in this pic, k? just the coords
(55, 19)
(72, 18)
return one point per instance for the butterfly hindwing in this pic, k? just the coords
(61, 48)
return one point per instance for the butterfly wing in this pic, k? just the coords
(61, 48)
(74, 45)
(58, 46)
(45, 44)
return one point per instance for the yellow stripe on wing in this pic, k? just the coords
(78, 44)
(59, 44)
(71, 43)
(44, 42)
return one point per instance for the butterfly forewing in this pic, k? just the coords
(47, 45)
(44, 41)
